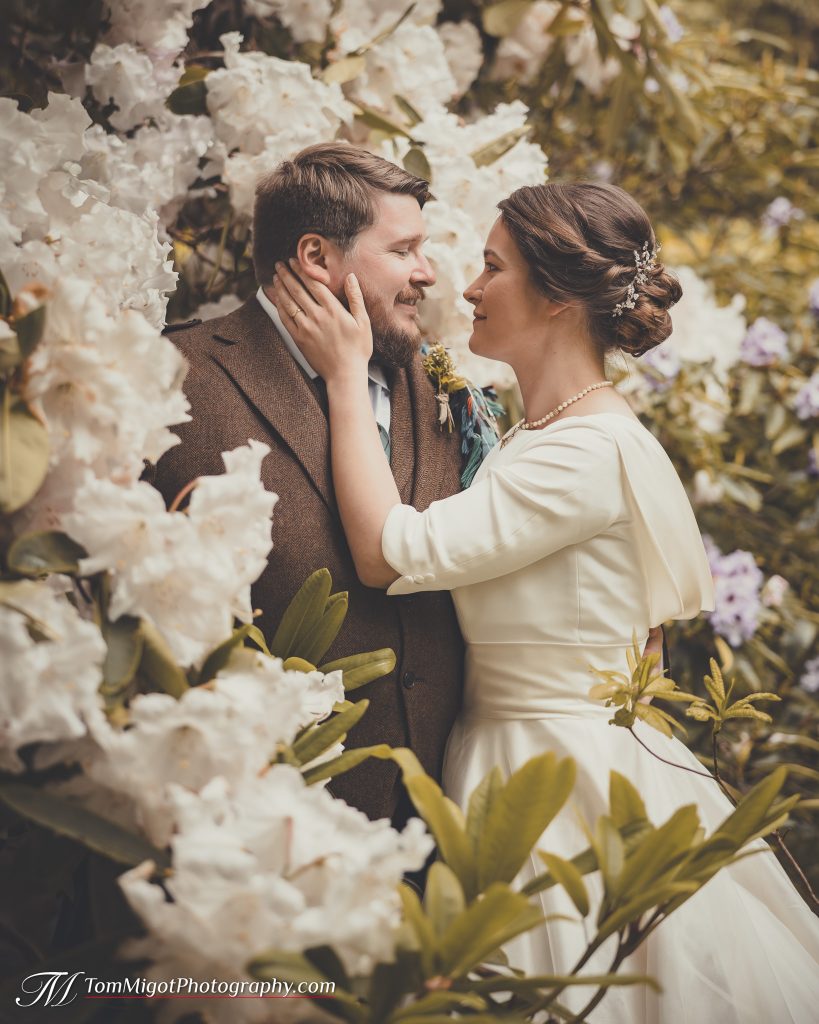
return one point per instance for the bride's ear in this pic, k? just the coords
(315, 255)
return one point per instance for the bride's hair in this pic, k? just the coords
(579, 240)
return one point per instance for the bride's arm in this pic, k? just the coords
(338, 346)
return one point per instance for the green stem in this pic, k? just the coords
(685, 768)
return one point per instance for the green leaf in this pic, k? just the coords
(487, 923)
(123, 654)
(5, 297)
(69, 819)
(345, 762)
(29, 330)
(24, 452)
(191, 98)
(409, 111)
(360, 669)
(649, 861)
(570, 878)
(446, 823)
(502, 19)
(493, 151)
(373, 119)
(625, 802)
(303, 613)
(443, 898)
(257, 636)
(436, 1002)
(519, 813)
(10, 354)
(38, 554)
(480, 800)
(415, 162)
(313, 645)
(158, 664)
(220, 655)
(421, 927)
(275, 963)
(610, 851)
(319, 738)
(750, 814)
(344, 70)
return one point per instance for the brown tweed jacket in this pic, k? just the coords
(243, 383)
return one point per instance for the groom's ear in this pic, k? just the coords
(317, 257)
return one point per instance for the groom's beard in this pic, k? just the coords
(393, 345)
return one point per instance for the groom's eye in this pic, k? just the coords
(401, 252)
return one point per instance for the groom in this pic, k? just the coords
(334, 204)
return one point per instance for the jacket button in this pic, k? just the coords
(408, 680)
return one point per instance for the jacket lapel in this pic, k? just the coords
(250, 349)
(402, 435)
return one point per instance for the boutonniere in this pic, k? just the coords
(473, 409)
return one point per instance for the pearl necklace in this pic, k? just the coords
(525, 424)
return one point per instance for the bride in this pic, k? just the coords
(575, 533)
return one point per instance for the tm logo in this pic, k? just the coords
(50, 988)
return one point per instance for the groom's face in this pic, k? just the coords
(393, 272)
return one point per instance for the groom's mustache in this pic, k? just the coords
(415, 294)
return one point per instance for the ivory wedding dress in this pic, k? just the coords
(570, 539)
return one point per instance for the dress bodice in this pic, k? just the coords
(570, 540)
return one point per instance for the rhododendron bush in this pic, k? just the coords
(131, 137)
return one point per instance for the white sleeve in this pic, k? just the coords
(560, 490)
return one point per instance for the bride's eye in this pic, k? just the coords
(490, 267)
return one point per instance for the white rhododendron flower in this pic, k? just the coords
(52, 668)
(410, 63)
(272, 864)
(357, 22)
(160, 26)
(128, 78)
(306, 19)
(583, 57)
(229, 727)
(268, 109)
(705, 331)
(256, 96)
(109, 387)
(464, 52)
(189, 572)
(521, 53)
(155, 167)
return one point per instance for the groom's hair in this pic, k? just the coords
(328, 189)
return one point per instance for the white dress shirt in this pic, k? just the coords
(377, 382)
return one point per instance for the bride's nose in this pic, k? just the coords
(473, 294)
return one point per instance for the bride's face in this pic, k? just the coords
(510, 312)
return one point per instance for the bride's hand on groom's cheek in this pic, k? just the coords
(333, 339)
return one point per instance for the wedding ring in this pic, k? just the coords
(296, 312)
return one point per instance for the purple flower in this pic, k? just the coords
(673, 28)
(764, 343)
(664, 361)
(809, 680)
(780, 213)
(737, 582)
(806, 402)
(813, 297)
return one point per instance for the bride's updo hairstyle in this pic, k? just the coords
(579, 240)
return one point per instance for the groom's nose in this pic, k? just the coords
(423, 272)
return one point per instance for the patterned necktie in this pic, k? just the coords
(385, 441)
